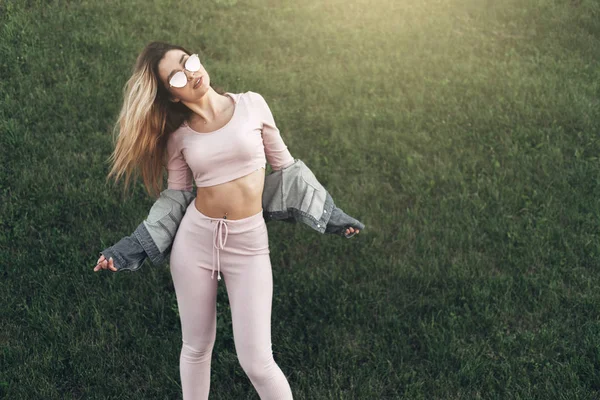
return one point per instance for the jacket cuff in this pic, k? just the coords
(340, 221)
(127, 254)
(156, 257)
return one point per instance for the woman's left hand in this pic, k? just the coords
(350, 230)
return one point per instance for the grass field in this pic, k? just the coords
(465, 134)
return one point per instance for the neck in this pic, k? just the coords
(208, 107)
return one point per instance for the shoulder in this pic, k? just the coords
(258, 104)
(176, 134)
(254, 98)
(174, 138)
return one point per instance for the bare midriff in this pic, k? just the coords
(236, 199)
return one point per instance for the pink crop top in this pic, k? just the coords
(242, 146)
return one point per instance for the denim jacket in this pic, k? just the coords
(291, 194)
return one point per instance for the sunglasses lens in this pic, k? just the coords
(178, 80)
(193, 63)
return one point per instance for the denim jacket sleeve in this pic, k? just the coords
(154, 236)
(294, 194)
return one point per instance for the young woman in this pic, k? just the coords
(172, 117)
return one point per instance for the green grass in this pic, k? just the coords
(463, 133)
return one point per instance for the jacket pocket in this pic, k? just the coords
(159, 210)
(310, 199)
(307, 199)
(308, 177)
(313, 201)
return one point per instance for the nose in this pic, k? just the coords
(190, 75)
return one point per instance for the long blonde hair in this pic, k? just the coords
(145, 122)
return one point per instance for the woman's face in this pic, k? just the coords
(174, 61)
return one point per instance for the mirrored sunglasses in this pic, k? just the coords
(179, 79)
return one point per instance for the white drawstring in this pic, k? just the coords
(217, 232)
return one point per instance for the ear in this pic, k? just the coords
(174, 100)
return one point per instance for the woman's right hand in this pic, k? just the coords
(103, 263)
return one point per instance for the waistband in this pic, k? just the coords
(233, 226)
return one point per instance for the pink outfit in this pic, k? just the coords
(235, 150)
(241, 247)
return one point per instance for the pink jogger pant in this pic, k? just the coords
(204, 249)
